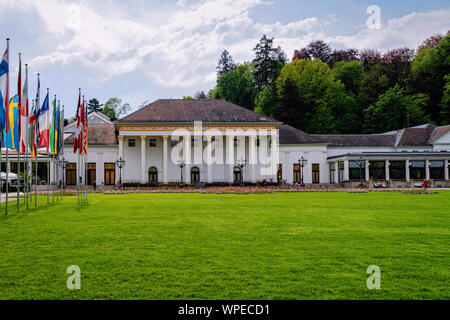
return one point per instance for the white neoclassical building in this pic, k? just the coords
(212, 141)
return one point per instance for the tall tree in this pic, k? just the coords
(445, 104)
(343, 55)
(321, 104)
(393, 110)
(225, 64)
(236, 86)
(94, 105)
(114, 108)
(429, 69)
(267, 63)
(319, 49)
(398, 66)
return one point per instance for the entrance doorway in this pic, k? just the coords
(237, 172)
(71, 174)
(110, 174)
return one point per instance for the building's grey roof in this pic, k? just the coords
(438, 132)
(419, 136)
(396, 155)
(95, 117)
(416, 137)
(357, 140)
(180, 110)
(290, 135)
(98, 134)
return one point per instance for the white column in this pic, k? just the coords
(252, 157)
(336, 172)
(446, 170)
(346, 171)
(143, 165)
(427, 169)
(52, 170)
(367, 162)
(274, 155)
(121, 138)
(100, 169)
(387, 170)
(230, 157)
(286, 166)
(208, 159)
(187, 158)
(407, 170)
(164, 162)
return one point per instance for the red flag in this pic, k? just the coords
(75, 145)
(81, 136)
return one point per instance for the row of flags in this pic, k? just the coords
(18, 124)
(26, 130)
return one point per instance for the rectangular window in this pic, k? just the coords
(152, 143)
(377, 170)
(193, 142)
(355, 172)
(341, 171)
(132, 142)
(315, 173)
(417, 170)
(173, 143)
(397, 170)
(437, 170)
(332, 172)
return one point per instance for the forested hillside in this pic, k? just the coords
(325, 90)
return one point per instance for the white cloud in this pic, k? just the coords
(180, 48)
(407, 31)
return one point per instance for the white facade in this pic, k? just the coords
(212, 153)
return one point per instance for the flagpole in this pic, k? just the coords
(78, 177)
(53, 156)
(26, 141)
(62, 154)
(33, 106)
(38, 96)
(6, 125)
(19, 95)
(85, 178)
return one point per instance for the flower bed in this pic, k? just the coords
(419, 191)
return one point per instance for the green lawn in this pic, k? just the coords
(208, 246)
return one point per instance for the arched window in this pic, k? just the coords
(237, 174)
(153, 175)
(195, 174)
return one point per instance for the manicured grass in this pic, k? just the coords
(208, 246)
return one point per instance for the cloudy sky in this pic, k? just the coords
(144, 50)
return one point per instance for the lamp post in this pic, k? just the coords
(361, 165)
(302, 163)
(241, 164)
(120, 163)
(181, 164)
(64, 165)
